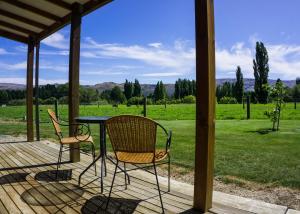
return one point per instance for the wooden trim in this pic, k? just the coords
(37, 111)
(17, 28)
(61, 4)
(205, 104)
(13, 36)
(86, 8)
(22, 19)
(32, 9)
(29, 91)
(74, 58)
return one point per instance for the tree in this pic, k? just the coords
(117, 96)
(159, 91)
(239, 85)
(128, 89)
(3, 97)
(261, 72)
(298, 81)
(277, 92)
(137, 91)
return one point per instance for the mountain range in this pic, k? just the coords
(149, 88)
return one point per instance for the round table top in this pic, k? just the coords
(92, 119)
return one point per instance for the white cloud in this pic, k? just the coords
(155, 44)
(13, 67)
(178, 57)
(57, 40)
(22, 80)
(3, 51)
(284, 60)
(162, 74)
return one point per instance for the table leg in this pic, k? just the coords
(102, 153)
(86, 169)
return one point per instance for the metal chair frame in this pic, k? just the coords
(79, 131)
(153, 164)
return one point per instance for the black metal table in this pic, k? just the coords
(102, 155)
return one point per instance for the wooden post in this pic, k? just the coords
(295, 104)
(74, 58)
(145, 107)
(56, 108)
(29, 90)
(248, 107)
(205, 104)
(37, 113)
(243, 99)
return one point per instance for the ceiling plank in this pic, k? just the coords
(17, 28)
(13, 36)
(32, 9)
(61, 3)
(87, 8)
(22, 19)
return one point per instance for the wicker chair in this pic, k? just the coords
(80, 136)
(133, 140)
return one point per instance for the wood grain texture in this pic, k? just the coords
(205, 104)
(29, 91)
(74, 58)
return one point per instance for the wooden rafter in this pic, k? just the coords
(17, 28)
(61, 4)
(13, 36)
(22, 19)
(32, 9)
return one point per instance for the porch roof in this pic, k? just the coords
(24, 19)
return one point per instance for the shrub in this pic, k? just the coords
(189, 99)
(19, 102)
(49, 101)
(135, 101)
(228, 100)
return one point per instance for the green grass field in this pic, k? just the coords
(245, 149)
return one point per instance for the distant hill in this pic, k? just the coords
(149, 88)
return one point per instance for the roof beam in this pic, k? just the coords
(17, 28)
(13, 36)
(22, 19)
(61, 3)
(87, 8)
(32, 9)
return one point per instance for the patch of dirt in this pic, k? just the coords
(269, 193)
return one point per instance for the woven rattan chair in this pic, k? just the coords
(81, 135)
(133, 140)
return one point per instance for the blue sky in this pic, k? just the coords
(153, 40)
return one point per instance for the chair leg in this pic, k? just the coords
(59, 160)
(94, 156)
(125, 176)
(162, 206)
(112, 184)
(169, 172)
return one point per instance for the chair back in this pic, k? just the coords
(55, 123)
(128, 133)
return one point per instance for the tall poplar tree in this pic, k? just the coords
(137, 91)
(261, 72)
(239, 85)
(128, 89)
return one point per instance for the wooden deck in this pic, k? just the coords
(28, 185)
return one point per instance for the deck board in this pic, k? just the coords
(50, 196)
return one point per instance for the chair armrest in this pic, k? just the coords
(169, 140)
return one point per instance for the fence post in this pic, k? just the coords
(243, 102)
(248, 107)
(295, 104)
(145, 107)
(56, 108)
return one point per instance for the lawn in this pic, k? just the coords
(244, 149)
(159, 112)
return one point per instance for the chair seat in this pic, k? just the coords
(77, 139)
(141, 158)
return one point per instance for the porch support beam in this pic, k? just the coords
(74, 75)
(37, 110)
(29, 90)
(205, 104)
